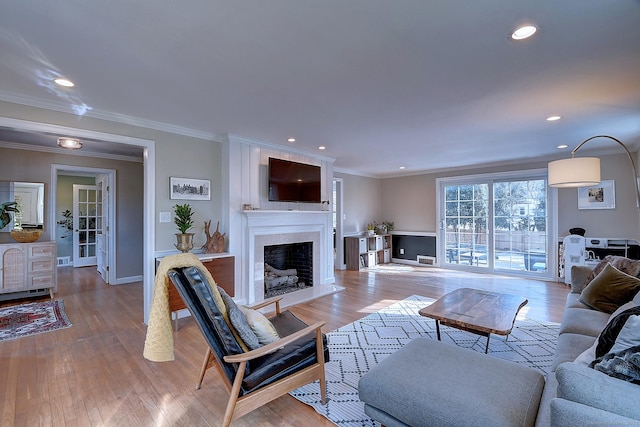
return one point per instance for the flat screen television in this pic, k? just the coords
(293, 182)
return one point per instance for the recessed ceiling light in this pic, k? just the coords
(553, 118)
(524, 32)
(401, 167)
(291, 140)
(61, 81)
(562, 147)
(322, 147)
(70, 143)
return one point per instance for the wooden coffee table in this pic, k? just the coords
(473, 310)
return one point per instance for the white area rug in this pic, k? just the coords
(358, 346)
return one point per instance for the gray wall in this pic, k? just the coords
(362, 202)
(411, 201)
(176, 155)
(34, 166)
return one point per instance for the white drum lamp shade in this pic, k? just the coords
(574, 172)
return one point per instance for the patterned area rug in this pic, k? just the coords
(33, 318)
(357, 347)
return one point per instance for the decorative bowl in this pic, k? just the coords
(26, 235)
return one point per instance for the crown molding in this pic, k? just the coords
(111, 117)
(56, 150)
(242, 140)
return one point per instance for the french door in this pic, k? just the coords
(496, 223)
(87, 220)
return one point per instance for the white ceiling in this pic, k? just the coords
(424, 84)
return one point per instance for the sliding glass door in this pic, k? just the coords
(520, 225)
(496, 223)
(466, 234)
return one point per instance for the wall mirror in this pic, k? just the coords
(29, 197)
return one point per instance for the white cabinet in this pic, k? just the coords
(27, 269)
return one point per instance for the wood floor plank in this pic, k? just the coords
(93, 374)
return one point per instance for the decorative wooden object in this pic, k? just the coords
(215, 242)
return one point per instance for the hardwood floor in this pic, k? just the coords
(93, 374)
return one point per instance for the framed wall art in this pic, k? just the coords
(189, 189)
(600, 196)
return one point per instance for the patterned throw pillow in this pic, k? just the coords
(610, 289)
(239, 322)
(617, 333)
(260, 325)
(626, 265)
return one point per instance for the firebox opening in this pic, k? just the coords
(287, 268)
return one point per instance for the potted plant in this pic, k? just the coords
(5, 217)
(371, 228)
(184, 221)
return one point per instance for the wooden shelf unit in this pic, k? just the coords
(367, 251)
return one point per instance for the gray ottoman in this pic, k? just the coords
(431, 383)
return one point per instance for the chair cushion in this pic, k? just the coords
(291, 358)
(610, 289)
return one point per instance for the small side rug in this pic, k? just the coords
(355, 348)
(34, 318)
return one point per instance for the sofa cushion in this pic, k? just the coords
(615, 326)
(573, 301)
(592, 388)
(565, 413)
(610, 289)
(583, 321)
(569, 347)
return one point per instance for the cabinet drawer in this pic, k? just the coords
(40, 281)
(40, 265)
(37, 251)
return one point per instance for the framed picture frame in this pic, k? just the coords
(601, 196)
(189, 189)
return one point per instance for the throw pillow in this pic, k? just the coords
(589, 355)
(624, 365)
(261, 326)
(239, 322)
(609, 334)
(629, 335)
(610, 289)
(626, 265)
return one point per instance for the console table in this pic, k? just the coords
(27, 269)
(222, 268)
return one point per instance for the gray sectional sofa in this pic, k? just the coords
(574, 393)
(433, 383)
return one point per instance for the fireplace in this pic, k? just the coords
(267, 229)
(288, 268)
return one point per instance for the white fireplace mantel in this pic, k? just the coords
(271, 227)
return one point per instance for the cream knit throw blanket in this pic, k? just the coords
(158, 344)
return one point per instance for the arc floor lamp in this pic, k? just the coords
(585, 171)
